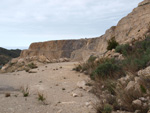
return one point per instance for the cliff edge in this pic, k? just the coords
(130, 28)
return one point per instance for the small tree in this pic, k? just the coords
(112, 43)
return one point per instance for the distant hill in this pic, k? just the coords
(7, 55)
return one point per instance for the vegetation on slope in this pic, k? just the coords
(7, 55)
(112, 77)
(136, 57)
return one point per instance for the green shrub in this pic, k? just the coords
(134, 64)
(123, 49)
(104, 108)
(41, 98)
(112, 44)
(32, 66)
(92, 58)
(107, 69)
(110, 86)
(78, 68)
(107, 109)
(137, 56)
(143, 89)
(25, 91)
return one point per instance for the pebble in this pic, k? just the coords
(74, 95)
(88, 104)
(59, 111)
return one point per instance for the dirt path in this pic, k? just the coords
(57, 82)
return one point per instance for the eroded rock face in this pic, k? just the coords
(129, 29)
(54, 49)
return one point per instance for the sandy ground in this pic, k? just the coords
(57, 87)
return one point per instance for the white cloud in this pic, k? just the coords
(59, 9)
(61, 17)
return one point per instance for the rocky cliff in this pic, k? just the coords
(130, 28)
(54, 49)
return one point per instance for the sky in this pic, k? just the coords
(25, 21)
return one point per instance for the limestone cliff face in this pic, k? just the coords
(132, 27)
(54, 49)
(135, 24)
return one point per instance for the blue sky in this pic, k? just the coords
(25, 21)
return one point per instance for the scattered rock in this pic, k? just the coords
(145, 72)
(42, 59)
(57, 85)
(145, 106)
(85, 72)
(60, 111)
(133, 89)
(81, 84)
(40, 81)
(143, 99)
(7, 94)
(63, 89)
(137, 111)
(137, 103)
(74, 95)
(88, 104)
(5, 67)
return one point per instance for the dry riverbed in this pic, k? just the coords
(56, 82)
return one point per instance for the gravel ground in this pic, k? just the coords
(57, 82)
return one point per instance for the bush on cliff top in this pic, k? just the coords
(112, 43)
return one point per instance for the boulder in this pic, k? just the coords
(133, 89)
(61, 60)
(14, 60)
(137, 104)
(130, 86)
(81, 84)
(124, 80)
(145, 72)
(42, 58)
(5, 67)
(20, 60)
